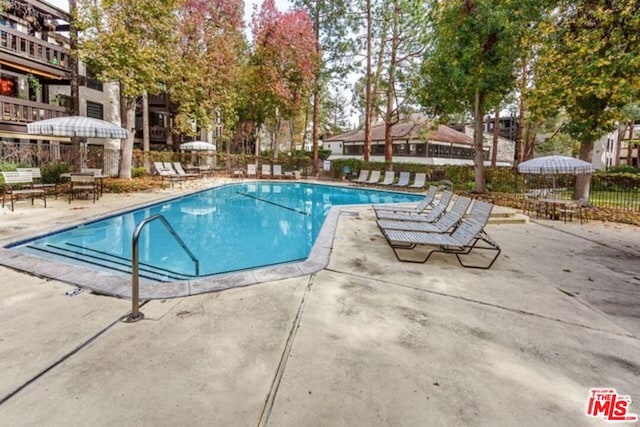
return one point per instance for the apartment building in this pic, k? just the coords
(35, 81)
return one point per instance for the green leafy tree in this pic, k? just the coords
(588, 66)
(129, 41)
(471, 65)
(332, 24)
(206, 68)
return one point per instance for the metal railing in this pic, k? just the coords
(135, 292)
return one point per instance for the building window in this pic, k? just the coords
(92, 81)
(95, 110)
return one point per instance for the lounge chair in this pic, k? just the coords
(266, 171)
(167, 174)
(180, 170)
(277, 171)
(403, 181)
(468, 237)
(432, 215)
(374, 178)
(252, 170)
(425, 203)
(419, 180)
(389, 177)
(20, 184)
(444, 224)
(364, 175)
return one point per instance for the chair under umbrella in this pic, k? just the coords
(555, 165)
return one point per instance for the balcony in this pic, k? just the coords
(31, 52)
(20, 111)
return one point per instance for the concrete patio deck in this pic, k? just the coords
(366, 341)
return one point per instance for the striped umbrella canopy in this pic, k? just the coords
(197, 146)
(553, 165)
(77, 126)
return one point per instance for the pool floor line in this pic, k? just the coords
(66, 356)
(273, 203)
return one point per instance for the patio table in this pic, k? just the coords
(551, 206)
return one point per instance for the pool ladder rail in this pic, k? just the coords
(135, 289)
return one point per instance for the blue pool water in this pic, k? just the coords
(228, 228)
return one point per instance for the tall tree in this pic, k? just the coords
(286, 60)
(588, 66)
(407, 17)
(207, 62)
(332, 22)
(129, 41)
(472, 63)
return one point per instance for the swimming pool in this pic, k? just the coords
(231, 228)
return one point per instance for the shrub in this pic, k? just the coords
(8, 166)
(138, 172)
(623, 169)
(51, 172)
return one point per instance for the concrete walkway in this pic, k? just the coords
(367, 341)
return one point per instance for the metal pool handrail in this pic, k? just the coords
(135, 309)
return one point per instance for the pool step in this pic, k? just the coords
(505, 215)
(108, 261)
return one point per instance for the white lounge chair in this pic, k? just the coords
(167, 174)
(425, 203)
(468, 237)
(389, 177)
(430, 216)
(252, 170)
(444, 224)
(266, 171)
(403, 181)
(277, 171)
(419, 180)
(180, 171)
(374, 178)
(364, 175)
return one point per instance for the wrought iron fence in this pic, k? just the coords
(40, 155)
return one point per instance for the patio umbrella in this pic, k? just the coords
(197, 146)
(553, 165)
(77, 126)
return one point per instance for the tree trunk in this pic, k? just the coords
(583, 181)
(316, 98)
(169, 129)
(622, 128)
(390, 120)
(521, 114)
(276, 136)
(145, 131)
(73, 81)
(496, 134)
(630, 146)
(478, 139)
(367, 95)
(126, 151)
(291, 135)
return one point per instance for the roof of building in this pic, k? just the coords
(415, 127)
